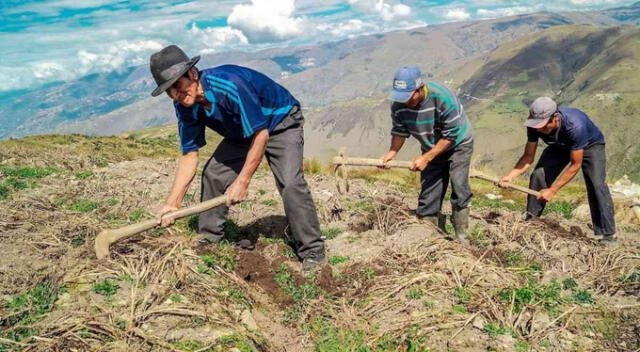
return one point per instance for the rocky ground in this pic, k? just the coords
(392, 283)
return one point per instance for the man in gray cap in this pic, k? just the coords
(257, 117)
(433, 115)
(573, 139)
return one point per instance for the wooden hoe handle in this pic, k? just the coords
(106, 238)
(341, 160)
(508, 185)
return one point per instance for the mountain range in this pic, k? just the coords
(586, 59)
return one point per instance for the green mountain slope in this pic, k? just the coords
(590, 68)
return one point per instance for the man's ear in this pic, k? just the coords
(193, 74)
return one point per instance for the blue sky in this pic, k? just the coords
(53, 40)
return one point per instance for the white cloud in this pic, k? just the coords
(344, 28)
(504, 12)
(118, 33)
(593, 2)
(209, 40)
(45, 70)
(267, 20)
(117, 55)
(388, 11)
(457, 15)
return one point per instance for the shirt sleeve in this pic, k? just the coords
(579, 137)
(398, 128)
(532, 135)
(191, 132)
(246, 103)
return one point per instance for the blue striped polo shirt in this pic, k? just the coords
(243, 102)
(439, 115)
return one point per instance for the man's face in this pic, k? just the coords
(550, 126)
(184, 90)
(416, 97)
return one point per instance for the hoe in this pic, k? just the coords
(106, 238)
(341, 162)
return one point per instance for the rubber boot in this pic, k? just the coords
(460, 221)
(439, 220)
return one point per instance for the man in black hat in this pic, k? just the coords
(257, 117)
(572, 139)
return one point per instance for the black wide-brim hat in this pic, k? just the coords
(169, 64)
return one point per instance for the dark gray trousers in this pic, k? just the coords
(284, 154)
(454, 165)
(553, 160)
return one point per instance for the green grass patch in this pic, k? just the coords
(15, 183)
(269, 202)
(329, 338)
(460, 309)
(84, 174)
(512, 259)
(272, 240)
(569, 283)
(633, 277)
(367, 274)
(12, 184)
(561, 207)
(106, 288)
(299, 292)
(415, 293)
(136, 215)
(365, 205)
(486, 203)
(27, 172)
(337, 259)
(25, 309)
(534, 294)
(331, 232)
(28, 307)
(223, 255)
(494, 329)
(582, 297)
(4, 191)
(522, 346)
(478, 237)
(83, 206)
(462, 295)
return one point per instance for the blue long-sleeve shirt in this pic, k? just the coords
(243, 102)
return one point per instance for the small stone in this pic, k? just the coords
(582, 212)
(540, 321)
(505, 342)
(478, 323)
(247, 319)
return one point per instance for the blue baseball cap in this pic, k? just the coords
(405, 82)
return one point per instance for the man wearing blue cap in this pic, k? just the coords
(574, 140)
(434, 116)
(257, 117)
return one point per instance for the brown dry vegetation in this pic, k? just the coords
(393, 283)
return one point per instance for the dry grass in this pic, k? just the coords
(535, 285)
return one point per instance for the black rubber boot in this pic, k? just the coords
(460, 221)
(439, 220)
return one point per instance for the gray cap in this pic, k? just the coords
(540, 111)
